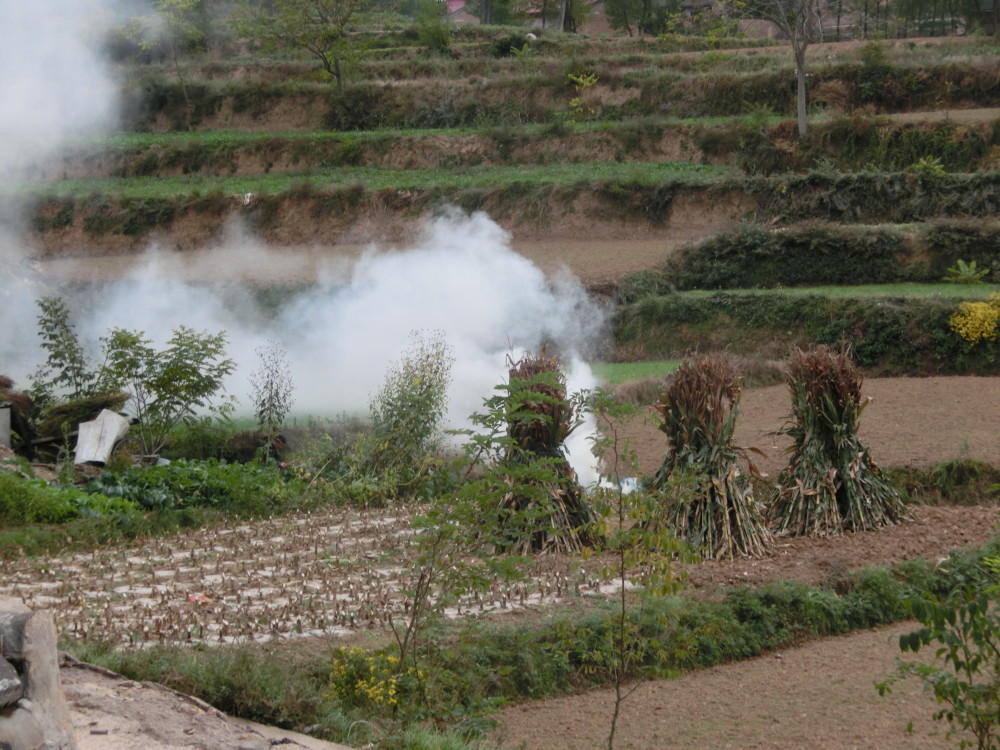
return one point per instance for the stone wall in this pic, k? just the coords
(33, 714)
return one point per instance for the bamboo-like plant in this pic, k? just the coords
(546, 509)
(831, 483)
(720, 517)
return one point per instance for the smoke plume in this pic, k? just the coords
(460, 278)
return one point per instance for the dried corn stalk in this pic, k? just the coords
(717, 513)
(546, 510)
(831, 483)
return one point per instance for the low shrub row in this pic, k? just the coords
(854, 198)
(886, 336)
(541, 93)
(39, 518)
(963, 481)
(849, 143)
(751, 144)
(755, 257)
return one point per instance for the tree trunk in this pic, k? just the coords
(800, 93)
(338, 73)
(563, 7)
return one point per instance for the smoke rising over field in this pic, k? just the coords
(53, 86)
(460, 278)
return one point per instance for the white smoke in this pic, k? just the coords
(53, 87)
(460, 278)
(54, 84)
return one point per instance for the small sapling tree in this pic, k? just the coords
(463, 540)
(964, 628)
(406, 412)
(271, 391)
(167, 386)
(66, 372)
(317, 27)
(636, 540)
(801, 23)
(178, 28)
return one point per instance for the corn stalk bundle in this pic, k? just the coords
(717, 513)
(545, 510)
(831, 483)
(65, 417)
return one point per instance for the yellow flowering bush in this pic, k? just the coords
(977, 321)
(361, 678)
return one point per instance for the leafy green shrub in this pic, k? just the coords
(506, 45)
(250, 489)
(433, 29)
(747, 144)
(947, 242)
(167, 386)
(966, 273)
(28, 501)
(396, 457)
(198, 439)
(358, 108)
(964, 627)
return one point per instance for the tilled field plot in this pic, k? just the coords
(314, 574)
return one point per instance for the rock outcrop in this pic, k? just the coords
(33, 714)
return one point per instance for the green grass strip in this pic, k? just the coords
(616, 373)
(862, 291)
(379, 179)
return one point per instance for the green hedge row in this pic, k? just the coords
(754, 257)
(887, 336)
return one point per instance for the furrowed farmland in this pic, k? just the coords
(407, 381)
